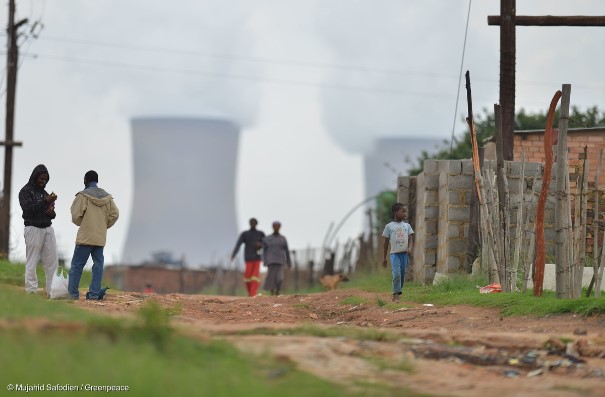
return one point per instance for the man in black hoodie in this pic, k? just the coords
(38, 212)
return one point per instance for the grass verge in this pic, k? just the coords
(79, 349)
(462, 290)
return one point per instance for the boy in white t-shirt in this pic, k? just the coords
(400, 236)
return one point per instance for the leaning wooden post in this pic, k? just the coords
(531, 251)
(581, 257)
(595, 223)
(520, 226)
(561, 252)
(504, 264)
(540, 243)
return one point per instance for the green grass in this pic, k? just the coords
(374, 334)
(303, 306)
(14, 274)
(353, 300)
(462, 290)
(145, 353)
(185, 368)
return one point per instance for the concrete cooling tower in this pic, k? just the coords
(392, 157)
(184, 190)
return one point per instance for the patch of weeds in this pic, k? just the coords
(353, 300)
(565, 340)
(397, 365)
(152, 324)
(380, 302)
(381, 390)
(395, 306)
(575, 390)
(303, 306)
(328, 332)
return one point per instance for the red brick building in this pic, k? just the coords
(577, 138)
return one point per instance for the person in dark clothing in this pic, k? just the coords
(40, 244)
(252, 240)
(275, 255)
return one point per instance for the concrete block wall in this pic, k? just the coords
(442, 211)
(455, 187)
(426, 222)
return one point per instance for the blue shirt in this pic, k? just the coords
(398, 234)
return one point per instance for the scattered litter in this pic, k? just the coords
(511, 374)
(341, 322)
(277, 305)
(535, 372)
(428, 305)
(403, 309)
(530, 358)
(488, 289)
(513, 361)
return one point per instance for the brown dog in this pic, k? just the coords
(330, 282)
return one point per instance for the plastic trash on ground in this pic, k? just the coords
(488, 289)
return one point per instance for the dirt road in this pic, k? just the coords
(438, 350)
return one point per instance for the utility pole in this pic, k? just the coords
(508, 20)
(11, 86)
(507, 76)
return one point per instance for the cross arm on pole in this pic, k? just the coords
(550, 20)
(10, 143)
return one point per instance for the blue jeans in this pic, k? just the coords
(78, 261)
(399, 265)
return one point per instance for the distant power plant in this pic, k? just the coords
(183, 206)
(392, 157)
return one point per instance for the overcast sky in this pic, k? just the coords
(310, 82)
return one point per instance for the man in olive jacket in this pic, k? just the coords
(94, 211)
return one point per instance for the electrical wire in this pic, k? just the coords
(239, 77)
(299, 63)
(460, 76)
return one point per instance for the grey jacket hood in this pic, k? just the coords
(96, 195)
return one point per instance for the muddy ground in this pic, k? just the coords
(442, 350)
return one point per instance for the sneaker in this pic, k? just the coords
(102, 292)
(395, 297)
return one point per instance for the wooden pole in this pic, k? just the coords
(519, 228)
(583, 221)
(507, 75)
(12, 65)
(561, 230)
(595, 222)
(503, 262)
(531, 252)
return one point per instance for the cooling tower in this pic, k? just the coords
(184, 190)
(392, 157)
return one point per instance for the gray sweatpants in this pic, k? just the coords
(40, 245)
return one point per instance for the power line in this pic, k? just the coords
(460, 76)
(300, 63)
(221, 75)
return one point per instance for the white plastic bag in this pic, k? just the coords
(58, 287)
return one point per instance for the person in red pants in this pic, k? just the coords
(252, 240)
